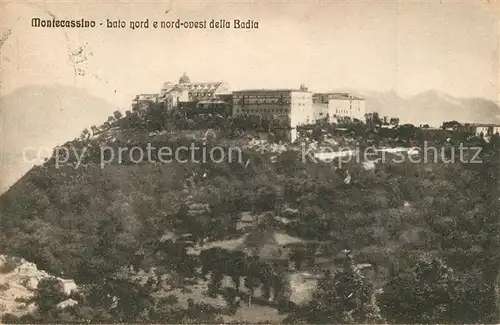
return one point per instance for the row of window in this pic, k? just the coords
(345, 111)
(262, 110)
(204, 94)
(263, 96)
(202, 86)
(211, 105)
(266, 101)
(258, 102)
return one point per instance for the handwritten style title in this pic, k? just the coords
(146, 24)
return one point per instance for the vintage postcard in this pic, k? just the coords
(317, 162)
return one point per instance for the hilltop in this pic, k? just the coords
(95, 222)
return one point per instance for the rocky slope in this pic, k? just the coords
(18, 280)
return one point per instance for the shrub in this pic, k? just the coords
(10, 264)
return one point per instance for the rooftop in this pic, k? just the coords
(199, 86)
(202, 84)
(484, 125)
(271, 90)
(145, 96)
(345, 96)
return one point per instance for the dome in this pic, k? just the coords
(184, 79)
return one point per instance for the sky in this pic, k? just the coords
(408, 47)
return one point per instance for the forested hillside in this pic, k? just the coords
(430, 230)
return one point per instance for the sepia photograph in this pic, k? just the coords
(244, 162)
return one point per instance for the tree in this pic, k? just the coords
(394, 121)
(117, 115)
(407, 132)
(85, 133)
(317, 133)
(346, 297)
(373, 119)
(132, 298)
(427, 292)
(48, 294)
(450, 124)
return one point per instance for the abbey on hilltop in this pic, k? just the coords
(298, 106)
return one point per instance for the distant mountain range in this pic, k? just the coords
(430, 107)
(43, 116)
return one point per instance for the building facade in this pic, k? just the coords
(211, 106)
(142, 101)
(185, 95)
(291, 105)
(486, 130)
(478, 129)
(338, 105)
